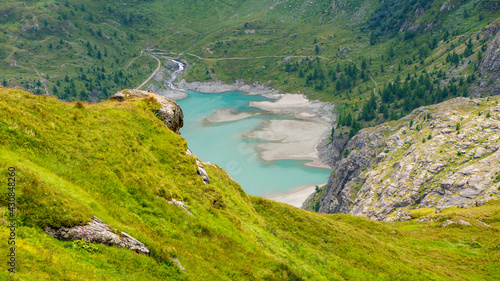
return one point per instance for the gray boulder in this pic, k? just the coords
(170, 112)
(98, 232)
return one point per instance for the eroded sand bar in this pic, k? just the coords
(299, 106)
(295, 138)
(227, 115)
(291, 139)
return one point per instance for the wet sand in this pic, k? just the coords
(290, 139)
(294, 197)
(227, 115)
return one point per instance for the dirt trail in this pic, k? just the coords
(154, 72)
(263, 57)
(163, 52)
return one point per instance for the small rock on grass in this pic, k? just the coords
(446, 223)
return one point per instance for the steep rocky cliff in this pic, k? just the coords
(438, 156)
(491, 61)
(490, 65)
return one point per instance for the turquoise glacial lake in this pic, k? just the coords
(223, 143)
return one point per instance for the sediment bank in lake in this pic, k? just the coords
(219, 87)
(300, 134)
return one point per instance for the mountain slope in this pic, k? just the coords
(437, 157)
(383, 170)
(119, 162)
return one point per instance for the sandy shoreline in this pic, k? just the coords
(290, 139)
(294, 197)
(299, 106)
(297, 138)
(219, 87)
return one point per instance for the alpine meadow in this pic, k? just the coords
(120, 160)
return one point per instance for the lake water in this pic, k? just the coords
(224, 144)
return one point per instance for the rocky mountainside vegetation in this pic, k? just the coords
(386, 169)
(436, 157)
(110, 190)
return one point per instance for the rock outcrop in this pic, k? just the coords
(201, 170)
(408, 24)
(202, 173)
(446, 7)
(98, 232)
(491, 30)
(491, 60)
(491, 5)
(180, 204)
(490, 65)
(170, 112)
(448, 157)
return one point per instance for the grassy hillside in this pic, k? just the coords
(118, 161)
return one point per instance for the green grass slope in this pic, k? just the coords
(118, 161)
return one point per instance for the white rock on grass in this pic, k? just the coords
(446, 223)
(98, 232)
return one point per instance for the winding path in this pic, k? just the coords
(220, 59)
(27, 68)
(154, 72)
(142, 53)
(41, 81)
(376, 84)
(282, 56)
(251, 58)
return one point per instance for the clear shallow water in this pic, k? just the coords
(223, 144)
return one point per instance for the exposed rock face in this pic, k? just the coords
(400, 216)
(446, 223)
(490, 65)
(201, 171)
(449, 222)
(180, 204)
(491, 61)
(384, 171)
(332, 153)
(203, 174)
(431, 26)
(492, 29)
(98, 232)
(170, 112)
(491, 5)
(408, 23)
(446, 7)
